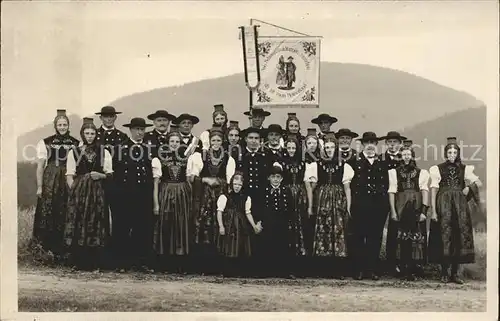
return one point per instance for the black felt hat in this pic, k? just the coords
(369, 136)
(161, 113)
(322, 117)
(393, 135)
(345, 132)
(257, 111)
(137, 122)
(108, 110)
(251, 130)
(275, 128)
(195, 120)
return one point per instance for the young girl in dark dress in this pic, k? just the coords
(172, 203)
(87, 228)
(408, 198)
(52, 190)
(236, 225)
(451, 237)
(211, 173)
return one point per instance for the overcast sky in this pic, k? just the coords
(80, 56)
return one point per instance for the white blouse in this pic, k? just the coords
(41, 150)
(311, 173)
(468, 175)
(221, 204)
(205, 139)
(195, 166)
(156, 166)
(107, 165)
(423, 181)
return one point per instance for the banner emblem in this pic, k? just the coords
(289, 72)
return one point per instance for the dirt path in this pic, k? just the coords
(62, 290)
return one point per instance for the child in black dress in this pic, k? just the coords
(236, 224)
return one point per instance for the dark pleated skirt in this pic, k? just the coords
(296, 227)
(411, 234)
(206, 227)
(330, 234)
(172, 227)
(50, 213)
(236, 241)
(87, 223)
(451, 238)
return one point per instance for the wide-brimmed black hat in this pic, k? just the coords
(257, 111)
(250, 130)
(108, 110)
(137, 122)
(346, 132)
(275, 128)
(393, 135)
(369, 136)
(161, 113)
(195, 120)
(321, 117)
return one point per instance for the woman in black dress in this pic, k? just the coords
(210, 173)
(293, 179)
(408, 198)
(87, 228)
(52, 190)
(172, 206)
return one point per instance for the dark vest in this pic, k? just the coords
(235, 151)
(330, 172)
(348, 156)
(214, 167)
(155, 140)
(452, 175)
(110, 138)
(199, 146)
(408, 179)
(92, 159)
(275, 155)
(370, 179)
(134, 165)
(255, 167)
(173, 168)
(392, 161)
(277, 203)
(58, 146)
(293, 171)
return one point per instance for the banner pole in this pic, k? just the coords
(250, 97)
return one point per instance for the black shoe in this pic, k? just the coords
(358, 276)
(411, 277)
(445, 279)
(375, 277)
(456, 279)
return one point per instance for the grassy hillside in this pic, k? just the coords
(362, 97)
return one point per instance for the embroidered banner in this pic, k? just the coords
(250, 59)
(289, 72)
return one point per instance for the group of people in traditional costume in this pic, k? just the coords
(255, 201)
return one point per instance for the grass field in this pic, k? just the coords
(44, 287)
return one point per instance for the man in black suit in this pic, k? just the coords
(110, 137)
(370, 207)
(133, 220)
(392, 157)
